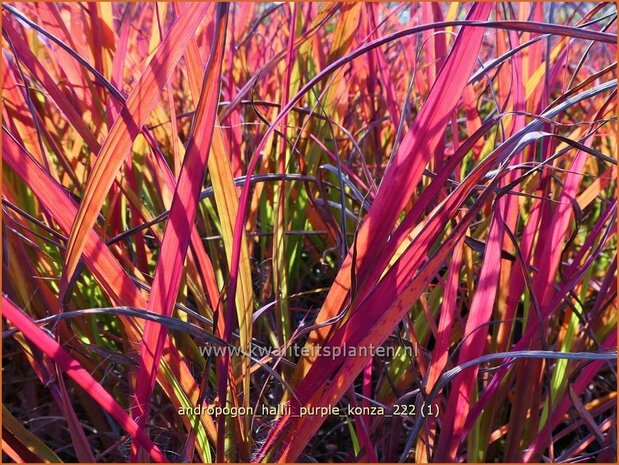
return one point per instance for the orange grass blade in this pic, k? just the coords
(26, 447)
(127, 126)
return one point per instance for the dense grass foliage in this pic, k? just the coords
(309, 232)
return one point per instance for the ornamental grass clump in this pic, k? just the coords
(330, 232)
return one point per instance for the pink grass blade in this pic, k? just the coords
(176, 239)
(474, 342)
(82, 377)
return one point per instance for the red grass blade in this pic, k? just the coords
(448, 309)
(474, 342)
(75, 370)
(169, 268)
(406, 169)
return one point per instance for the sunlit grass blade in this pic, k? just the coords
(127, 126)
(316, 232)
(168, 272)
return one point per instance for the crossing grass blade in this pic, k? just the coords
(200, 199)
(73, 368)
(169, 270)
